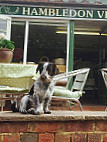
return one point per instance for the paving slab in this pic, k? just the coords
(54, 116)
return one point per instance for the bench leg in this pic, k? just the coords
(1, 102)
(77, 102)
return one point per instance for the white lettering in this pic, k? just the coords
(26, 11)
(100, 13)
(58, 12)
(43, 12)
(34, 12)
(65, 12)
(89, 13)
(51, 12)
(72, 13)
(105, 14)
(81, 13)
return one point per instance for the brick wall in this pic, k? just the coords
(67, 131)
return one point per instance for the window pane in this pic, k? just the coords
(45, 41)
(17, 35)
(3, 26)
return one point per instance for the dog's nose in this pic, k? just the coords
(43, 76)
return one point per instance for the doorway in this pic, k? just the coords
(90, 50)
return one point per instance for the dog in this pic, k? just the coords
(39, 96)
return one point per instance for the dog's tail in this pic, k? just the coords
(14, 106)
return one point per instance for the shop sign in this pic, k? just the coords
(53, 12)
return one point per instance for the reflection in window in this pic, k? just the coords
(17, 35)
(44, 41)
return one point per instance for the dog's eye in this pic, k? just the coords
(50, 70)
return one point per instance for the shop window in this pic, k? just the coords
(44, 41)
(5, 26)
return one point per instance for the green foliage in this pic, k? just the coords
(4, 43)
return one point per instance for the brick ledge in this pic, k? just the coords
(54, 116)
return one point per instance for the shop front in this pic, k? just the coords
(72, 36)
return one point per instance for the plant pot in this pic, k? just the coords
(6, 55)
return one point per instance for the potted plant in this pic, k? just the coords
(6, 49)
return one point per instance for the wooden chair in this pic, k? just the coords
(104, 74)
(78, 78)
(15, 81)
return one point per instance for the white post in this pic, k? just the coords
(67, 55)
(8, 34)
(26, 42)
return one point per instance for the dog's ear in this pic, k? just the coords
(32, 90)
(56, 70)
(39, 68)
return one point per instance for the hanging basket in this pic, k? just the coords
(6, 55)
(44, 59)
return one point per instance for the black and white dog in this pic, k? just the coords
(38, 98)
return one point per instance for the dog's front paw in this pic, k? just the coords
(47, 112)
(23, 111)
(37, 113)
(31, 110)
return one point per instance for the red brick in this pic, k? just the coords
(46, 138)
(28, 137)
(62, 137)
(79, 138)
(1, 138)
(94, 137)
(45, 127)
(105, 138)
(13, 127)
(76, 126)
(101, 126)
(11, 138)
